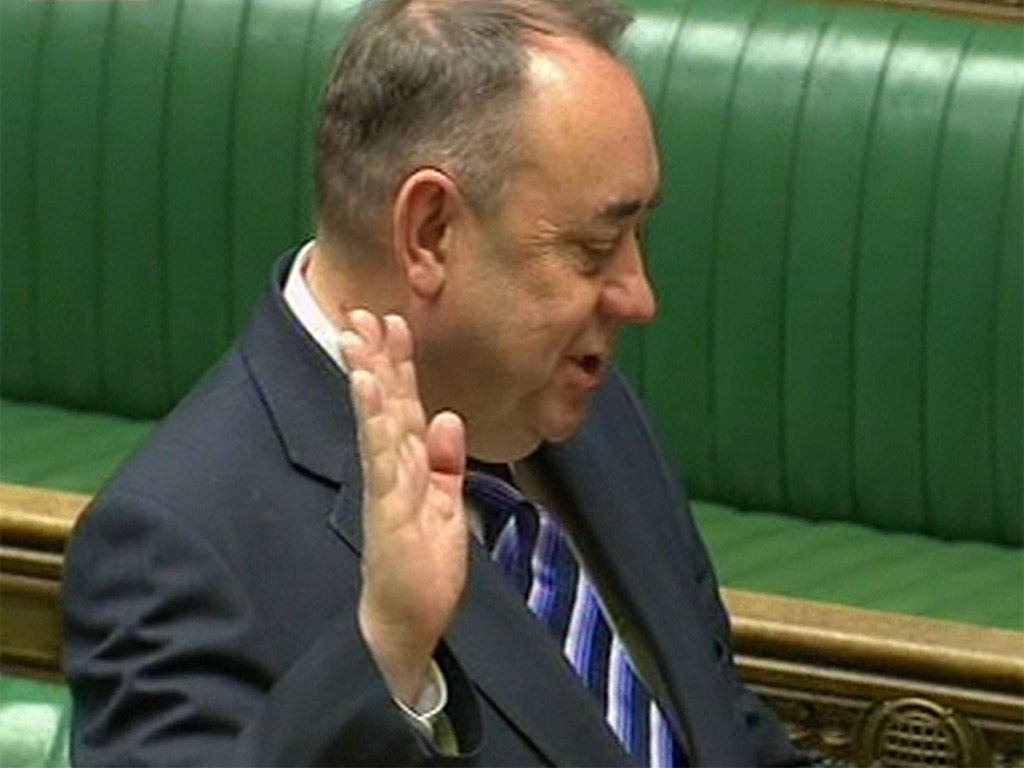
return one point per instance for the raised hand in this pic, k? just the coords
(414, 526)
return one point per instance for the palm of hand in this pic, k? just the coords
(414, 525)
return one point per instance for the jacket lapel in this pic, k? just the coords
(305, 394)
(518, 666)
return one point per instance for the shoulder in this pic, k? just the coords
(215, 470)
(218, 432)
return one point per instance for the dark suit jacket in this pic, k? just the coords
(210, 593)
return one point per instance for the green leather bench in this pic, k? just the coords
(837, 360)
(34, 723)
(836, 364)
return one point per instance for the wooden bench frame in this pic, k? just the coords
(1000, 11)
(851, 683)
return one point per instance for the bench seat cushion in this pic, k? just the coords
(62, 449)
(846, 563)
(757, 551)
(34, 723)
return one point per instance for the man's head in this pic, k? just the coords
(513, 249)
(434, 83)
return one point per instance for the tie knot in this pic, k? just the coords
(497, 501)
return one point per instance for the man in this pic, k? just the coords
(290, 572)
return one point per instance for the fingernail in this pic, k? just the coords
(358, 316)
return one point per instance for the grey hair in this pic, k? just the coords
(434, 83)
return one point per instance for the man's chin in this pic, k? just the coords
(557, 423)
(511, 445)
(566, 423)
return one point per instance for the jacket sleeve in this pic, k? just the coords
(168, 664)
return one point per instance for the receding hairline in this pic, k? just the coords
(541, 17)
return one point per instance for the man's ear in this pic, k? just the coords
(426, 207)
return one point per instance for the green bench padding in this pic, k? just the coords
(838, 255)
(855, 565)
(758, 551)
(66, 450)
(34, 723)
(838, 259)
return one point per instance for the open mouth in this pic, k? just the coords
(586, 370)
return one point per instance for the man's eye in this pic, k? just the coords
(594, 256)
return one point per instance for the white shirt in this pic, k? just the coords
(300, 301)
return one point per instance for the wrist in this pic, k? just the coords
(403, 664)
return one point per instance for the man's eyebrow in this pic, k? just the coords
(623, 209)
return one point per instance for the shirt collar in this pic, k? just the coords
(303, 305)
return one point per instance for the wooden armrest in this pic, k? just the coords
(854, 683)
(38, 517)
(35, 525)
(927, 649)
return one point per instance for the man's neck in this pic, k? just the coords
(338, 285)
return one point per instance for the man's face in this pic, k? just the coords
(543, 284)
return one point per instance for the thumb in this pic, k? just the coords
(446, 444)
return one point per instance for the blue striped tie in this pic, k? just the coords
(526, 541)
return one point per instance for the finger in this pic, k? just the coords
(360, 353)
(412, 471)
(377, 435)
(413, 416)
(366, 395)
(381, 343)
(368, 326)
(446, 455)
(402, 373)
(354, 351)
(360, 340)
(396, 345)
(399, 338)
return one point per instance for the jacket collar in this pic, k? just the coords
(306, 395)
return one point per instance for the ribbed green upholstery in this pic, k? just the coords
(156, 159)
(838, 257)
(839, 261)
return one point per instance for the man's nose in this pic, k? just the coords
(628, 295)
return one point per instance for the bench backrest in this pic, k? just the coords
(838, 255)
